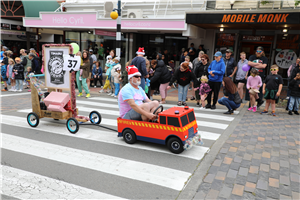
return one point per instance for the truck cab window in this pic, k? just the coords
(191, 116)
(173, 121)
(184, 120)
(162, 120)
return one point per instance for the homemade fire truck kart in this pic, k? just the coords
(176, 127)
(39, 110)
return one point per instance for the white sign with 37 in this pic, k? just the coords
(71, 63)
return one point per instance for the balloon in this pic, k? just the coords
(245, 67)
(75, 47)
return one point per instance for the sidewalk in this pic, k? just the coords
(257, 159)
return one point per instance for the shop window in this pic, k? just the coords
(225, 41)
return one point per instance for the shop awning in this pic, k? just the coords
(32, 8)
(246, 19)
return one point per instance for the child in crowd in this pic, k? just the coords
(253, 84)
(295, 94)
(204, 89)
(113, 63)
(97, 74)
(271, 89)
(27, 79)
(3, 75)
(11, 75)
(18, 69)
(116, 74)
(106, 87)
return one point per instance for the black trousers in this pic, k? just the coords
(215, 88)
(98, 79)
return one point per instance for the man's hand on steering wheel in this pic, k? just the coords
(151, 116)
(156, 114)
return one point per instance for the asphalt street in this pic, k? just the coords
(48, 161)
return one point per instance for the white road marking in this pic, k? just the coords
(209, 135)
(13, 94)
(26, 185)
(196, 153)
(162, 176)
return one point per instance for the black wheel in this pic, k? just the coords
(129, 136)
(72, 125)
(175, 145)
(33, 119)
(95, 117)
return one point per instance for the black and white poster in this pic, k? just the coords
(55, 76)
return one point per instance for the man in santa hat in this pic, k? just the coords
(140, 63)
(132, 97)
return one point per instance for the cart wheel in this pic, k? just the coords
(175, 145)
(33, 119)
(129, 136)
(72, 125)
(95, 117)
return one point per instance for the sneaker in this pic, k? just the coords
(101, 86)
(88, 95)
(11, 89)
(251, 108)
(197, 104)
(115, 96)
(95, 86)
(29, 90)
(193, 98)
(80, 94)
(213, 107)
(264, 112)
(274, 114)
(290, 112)
(296, 112)
(109, 93)
(254, 109)
(19, 90)
(202, 108)
(101, 91)
(4, 90)
(80, 78)
(24, 83)
(112, 94)
(14, 90)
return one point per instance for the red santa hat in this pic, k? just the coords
(141, 51)
(132, 71)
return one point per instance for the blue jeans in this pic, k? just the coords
(228, 103)
(117, 88)
(19, 84)
(142, 85)
(182, 92)
(294, 103)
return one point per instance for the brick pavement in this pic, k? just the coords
(259, 160)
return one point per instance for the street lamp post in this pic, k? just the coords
(118, 38)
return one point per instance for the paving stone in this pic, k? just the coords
(275, 159)
(243, 171)
(284, 171)
(273, 193)
(225, 192)
(234, 166)
(295, 186)
(248, 195)
(212, 194)
(238, 190)
(274, 182)
(232, 173)
(295, 195)
(263, 175)
(264, 167)
(262, 184)
(282, 152)
(209, 178)
(275, 153)
(242, 148)
(284, 164)
(245, 163)
(217, 163)
(284, 197)
(293, 152)
(220, 175)
(266, 155)
(227, 160)
(237, 159)
(294, 169)
(274, 165)
(255, 162)
(285, 190)
(265, 160)
(253, 169)
(213, 170)
(285, 180)
(229, 182)
(224, 150)
(256, 156)
(216, 184)
(274, 174)
(224, 167)
(250, 187)
(247, 156)
(260, 194)
(295, 177)
(241, 180)
(234, 197)
(233, 149)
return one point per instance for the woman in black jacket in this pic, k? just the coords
(231, 99)
(18, 69)
(161, 75)
(201, 69)
(184, 76)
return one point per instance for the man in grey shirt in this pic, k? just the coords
(241, 75)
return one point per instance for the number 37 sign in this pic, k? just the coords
(71, 63)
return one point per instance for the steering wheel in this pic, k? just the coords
(162, 109)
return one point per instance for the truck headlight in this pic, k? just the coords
(185, 136)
